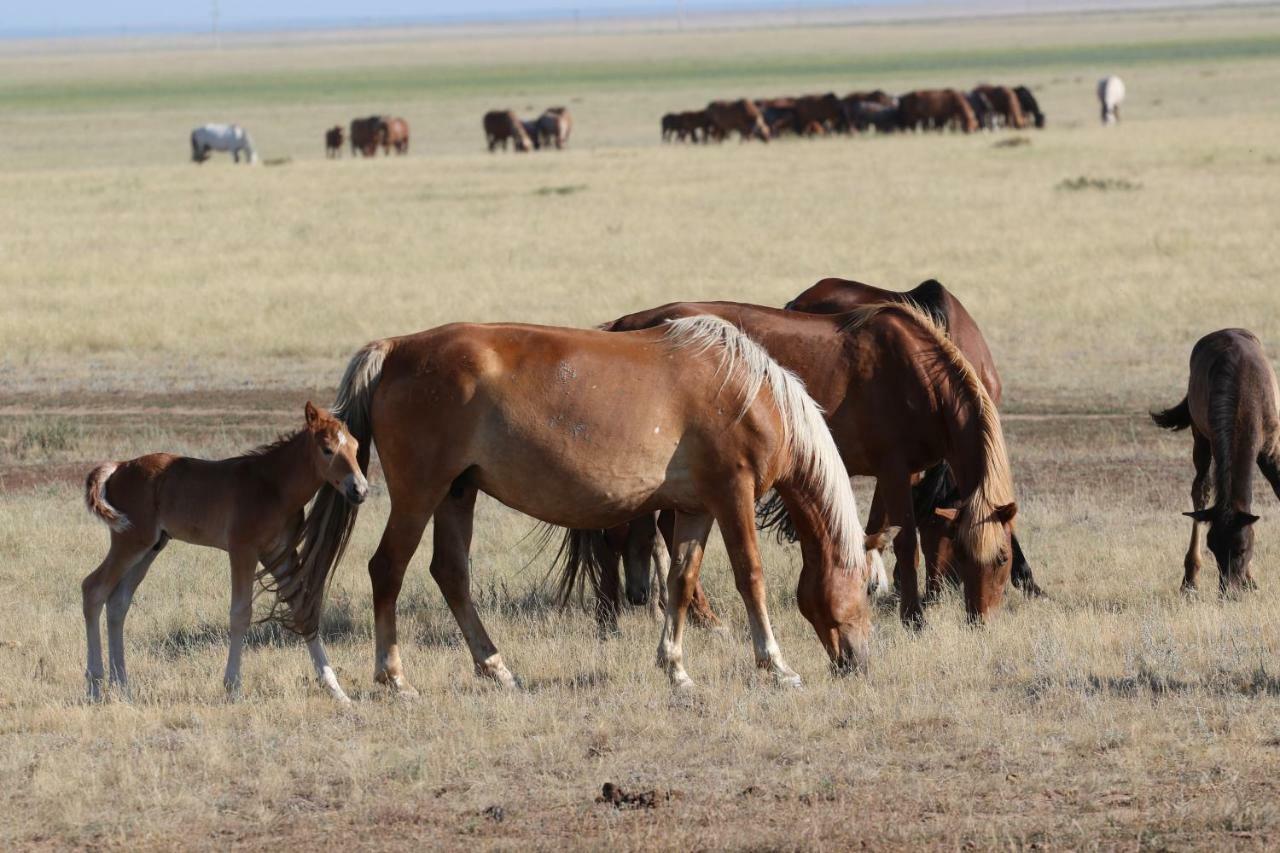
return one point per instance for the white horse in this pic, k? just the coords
(221, 137)
(1110, 94)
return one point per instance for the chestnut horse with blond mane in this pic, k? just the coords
(589, 429)
(250, 506)
(900, 398)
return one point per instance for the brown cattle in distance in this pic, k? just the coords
(742, 116)
(501, 125)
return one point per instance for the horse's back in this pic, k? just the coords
(1230, 368)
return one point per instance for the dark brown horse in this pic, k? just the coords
(366, 135)
(1230, 407)
(936, 109)
(588, 429)
(900, 398)
(1030, 107)
(741, 116)
(936, 488)
(1006, 105)
(333, 141)
(501, 125)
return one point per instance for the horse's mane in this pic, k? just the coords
(976, 525)
(264, 449)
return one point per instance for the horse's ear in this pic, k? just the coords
(946, 513)
(1004, 514)
(1244, 519)
(1200, 515)
(313, 414)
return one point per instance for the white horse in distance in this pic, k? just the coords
(1110, 94)
(222, 137)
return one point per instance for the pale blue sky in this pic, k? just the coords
(72, 16)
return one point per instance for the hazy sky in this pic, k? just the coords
(88, 15)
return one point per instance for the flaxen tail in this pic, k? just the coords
(95, 498)
(300, 588)
(1179, 417)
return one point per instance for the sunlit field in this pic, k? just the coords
(152, 304)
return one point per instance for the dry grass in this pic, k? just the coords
(194, 309)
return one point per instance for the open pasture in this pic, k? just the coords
(152, 304)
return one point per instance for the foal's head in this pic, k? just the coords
(1231, 541)
(333, 453)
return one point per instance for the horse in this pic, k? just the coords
(936, 488)
(366, 134)
(983, 110)
(742, 116)
(1231, 408)
(221, 137)
(395, 135)
(935, 109)
(900, 397)
(1110, 95)
(587, 429)
(1030, 107)
(554, 126)
(1006, 105)
(333, 141)
(250, 506)
(501, 125)
(825, 111)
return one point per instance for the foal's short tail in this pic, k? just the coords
(1179, 417)
(816, 465)
(95, 498)
(300, 588)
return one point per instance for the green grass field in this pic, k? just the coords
(152, 304)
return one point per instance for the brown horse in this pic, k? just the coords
(250, 506)
(936, 109)
(936, 488)
(395, 135)
(366, 135)
(554, 126)
(1006, 105)
(741, 116)
(501, 125)
(1231, 408)
(588, 429)
(333, 141)
(900, 398)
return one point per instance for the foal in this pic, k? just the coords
(250, 506)
(1231, 409)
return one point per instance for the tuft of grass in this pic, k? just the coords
(566, 189)
(1013, 142)
(48, 437)
(1105, 184)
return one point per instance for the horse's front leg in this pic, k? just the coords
(689, 537)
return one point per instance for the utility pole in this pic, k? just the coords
(213, 19)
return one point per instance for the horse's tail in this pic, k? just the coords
(300, 587)
(1178, 417)
(815, 461)
(95, 498)
(582, 559)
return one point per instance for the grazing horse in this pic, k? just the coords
(1110, 94)
(250, 506)
(366, 135)
(333, 138)
(1005, 104)
(394, 136)
(983, 110)
(824, 111)
(501, 125)
(1231, 407)
(900, 397)
(1030, 107)
(936, 109)
(742, 116)
(937, 487)
(222, 137)
(588, 429)
(554, 126)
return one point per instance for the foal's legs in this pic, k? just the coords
(126, 550)
(118, 608)
(243, 563)
(1202, 458)
(689, 538)
(737, 526)
(449, 567)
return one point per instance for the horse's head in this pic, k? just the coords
(978, 549)
(333, 454)
(1231, 541)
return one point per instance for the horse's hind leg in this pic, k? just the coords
(737, 526)
(243, 563)
(95, 589)
(118, 605)
(449, 567)
(689, 538)
(1202, 458)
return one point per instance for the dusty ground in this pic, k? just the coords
(149, 304)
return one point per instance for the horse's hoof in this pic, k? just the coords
(788, 680)
(682, 683)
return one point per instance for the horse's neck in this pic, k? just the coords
(1235, 457)
(289, 467)
(966, 446)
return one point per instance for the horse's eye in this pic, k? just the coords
(327, 451)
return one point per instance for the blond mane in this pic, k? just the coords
(979, 531)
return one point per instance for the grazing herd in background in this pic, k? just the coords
(984, 107)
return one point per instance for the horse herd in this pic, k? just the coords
(551, 128)
(367, 134)
(638, 436)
